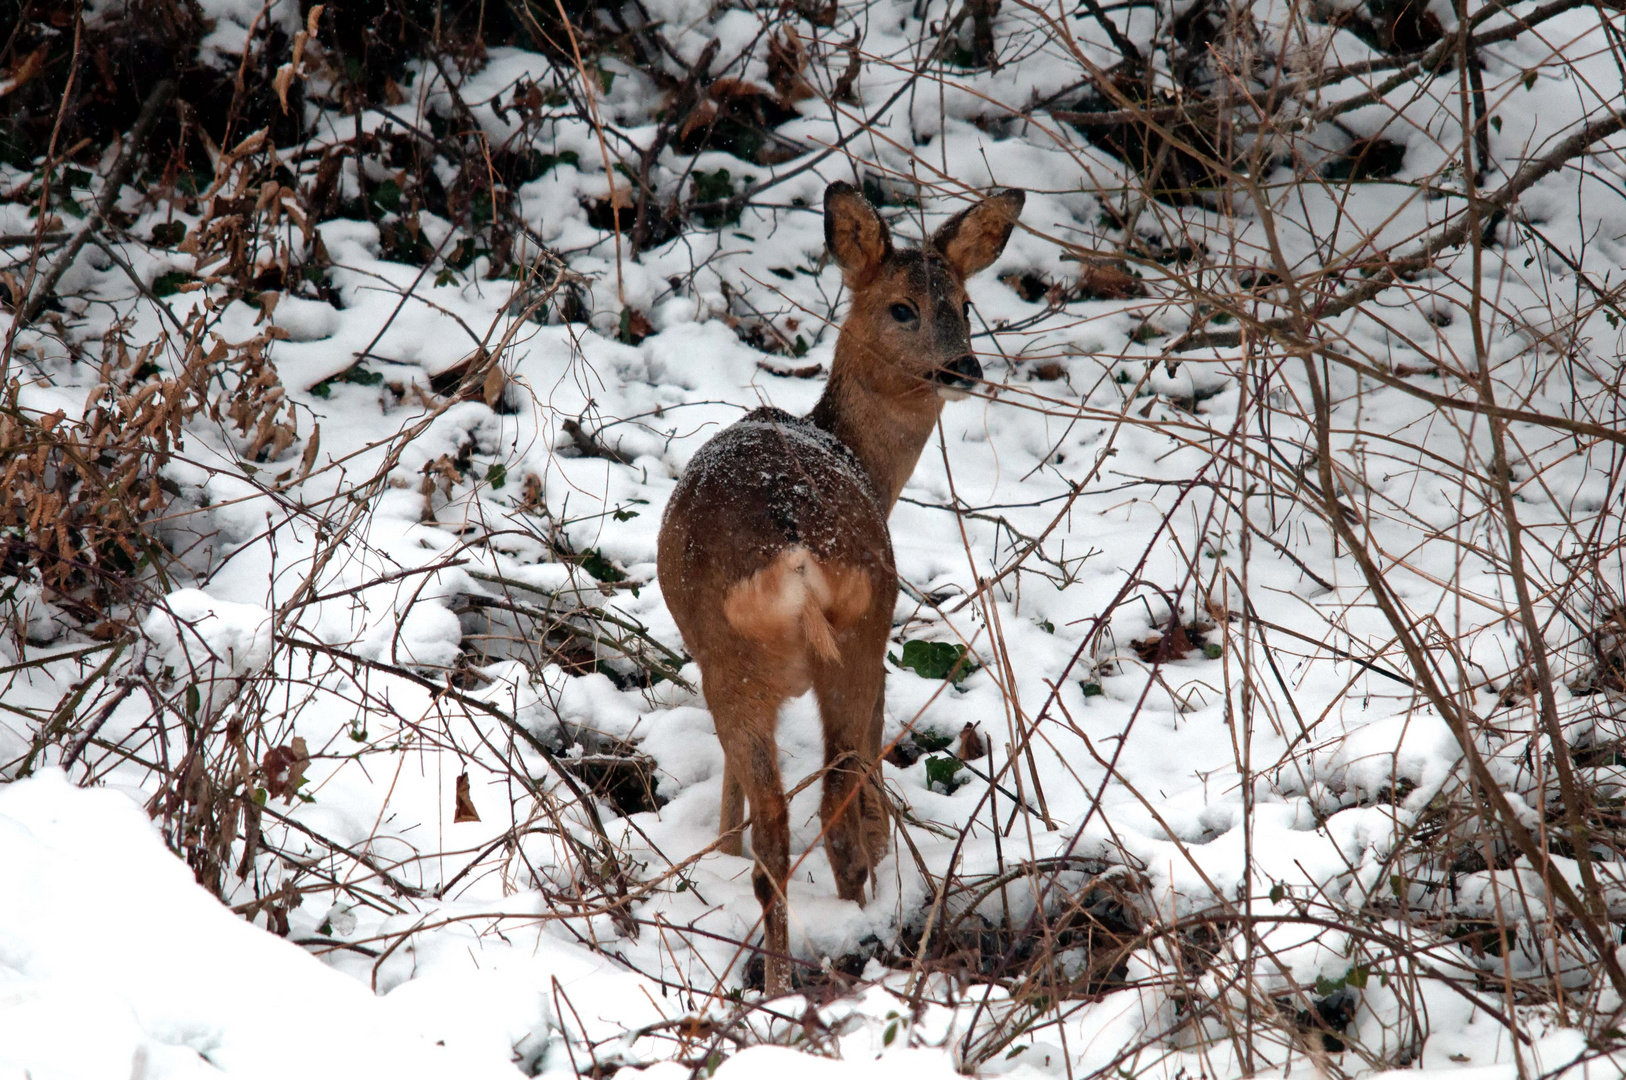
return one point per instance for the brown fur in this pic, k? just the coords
(775, 558)
(796, 598)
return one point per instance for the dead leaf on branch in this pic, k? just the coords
(283, 769)
(464, 809)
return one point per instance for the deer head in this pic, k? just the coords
(909, 331)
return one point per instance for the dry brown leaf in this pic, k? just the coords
(496, 382)
(24, 73)
(787, 60)
(308, 460)
(248, 145)
(283, 769)
(464, 810)
(702, 115)
(1172, 644)
(267, 302)
(284, 79)
(695, 1027)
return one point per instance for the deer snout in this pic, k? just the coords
(958, 375)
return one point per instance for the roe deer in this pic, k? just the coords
(775, 558)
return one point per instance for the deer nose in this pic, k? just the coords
(961, 374)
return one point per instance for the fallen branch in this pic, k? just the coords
(156, 100)
(589, 445)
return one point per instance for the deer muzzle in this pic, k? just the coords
(957, 376)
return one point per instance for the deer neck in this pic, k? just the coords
(884, 419)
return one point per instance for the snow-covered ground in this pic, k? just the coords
(333, 609)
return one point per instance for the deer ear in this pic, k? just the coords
(972, 239)
(855, 234)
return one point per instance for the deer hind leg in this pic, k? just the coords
(853, 809)
(745, 726)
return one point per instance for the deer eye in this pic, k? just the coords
(903, 313)
(965, 309)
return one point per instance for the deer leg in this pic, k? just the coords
(852, 809)
(733, 812)
(878, 819)
(745, 726)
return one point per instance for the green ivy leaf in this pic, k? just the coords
(387, 196)
(170, 283)
(936, 660)
(594, 562)
(168, 233)
(358, 375)
(497, 475)
(942, 771)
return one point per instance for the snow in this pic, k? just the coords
(113, 961)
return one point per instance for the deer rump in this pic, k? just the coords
(784, 557)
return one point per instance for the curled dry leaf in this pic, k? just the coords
(24, 73)
(1172, 644)
(496, 382)
(283, 769)
(312, 446)
(284, 79)
(464, 809)
(787, 60)
(532, 496)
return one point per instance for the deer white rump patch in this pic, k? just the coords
(797, 598)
